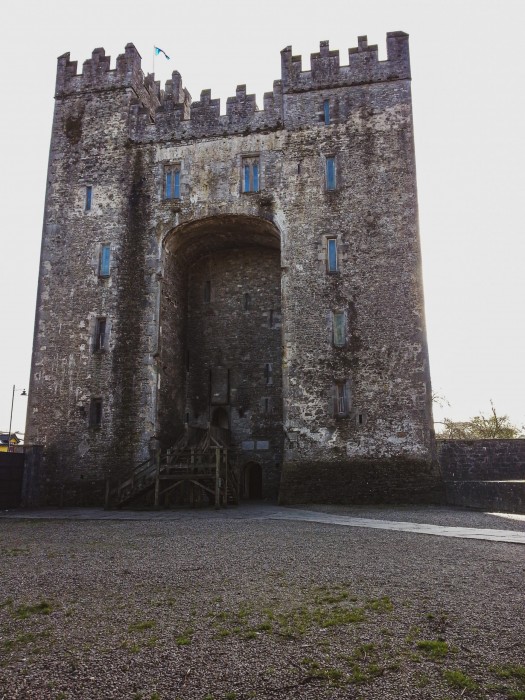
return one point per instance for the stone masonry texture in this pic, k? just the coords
(246, 287)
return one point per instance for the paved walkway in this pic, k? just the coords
(419, 528)
(264, 511)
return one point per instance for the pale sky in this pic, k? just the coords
(468, 84)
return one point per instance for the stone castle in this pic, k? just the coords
(256, 271)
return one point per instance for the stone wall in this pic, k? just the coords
(482, 460)
(488, 474)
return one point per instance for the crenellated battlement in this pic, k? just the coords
(157, 113)
(363, 66)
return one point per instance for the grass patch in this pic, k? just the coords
(458, 679)
(434, 649)
(184, 639)
(382, 605)
(141, 626)
(25, 611)
(509, 671)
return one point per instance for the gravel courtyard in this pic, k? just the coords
(236, 605)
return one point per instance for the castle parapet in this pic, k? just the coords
(170, 113)
(363, 66)
(97, 76)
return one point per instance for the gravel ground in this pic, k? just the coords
(229, 608)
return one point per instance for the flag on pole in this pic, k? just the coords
(157, 51)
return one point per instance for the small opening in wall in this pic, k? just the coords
(89, 197)
(207, 291)
(187, 418)
(95, 413)
(247, 301)
(360, 419)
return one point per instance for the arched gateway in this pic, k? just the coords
(220, 348)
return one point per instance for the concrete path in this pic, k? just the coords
(264, 511)
(419, 528)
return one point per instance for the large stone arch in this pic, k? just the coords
(220, 335)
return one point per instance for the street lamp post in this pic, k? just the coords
(24, 393)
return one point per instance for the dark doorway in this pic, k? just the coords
(253, 481)
(11, 475)
(220, 418)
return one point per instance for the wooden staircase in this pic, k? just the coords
(201, 465)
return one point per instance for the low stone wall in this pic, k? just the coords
(361, 482)
(488, 474)
(482, 460)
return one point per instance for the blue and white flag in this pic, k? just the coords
(157, 51)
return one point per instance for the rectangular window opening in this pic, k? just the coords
(341, 399)
(104, 261)
(331, 255)
(89, 197)
(250, 174)
(100, 335)
(172, 182)
(207, 291)
(268, 373)
(330, 173)
(326, 111)
(95, 413)
(338, 329)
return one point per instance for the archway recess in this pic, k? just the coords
(220, 355)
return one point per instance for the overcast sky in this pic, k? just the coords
(468, 72)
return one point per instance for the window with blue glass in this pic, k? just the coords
(330, 173)
(89, 197)
(331, 255)
(172, 182)
(326, 111)
(250, 174)
(104, 261)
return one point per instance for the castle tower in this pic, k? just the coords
(257, 271)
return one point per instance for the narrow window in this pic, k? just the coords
(172, 182)
(104, 262)
(341, 399)
(250, 174)
(330, 173)
(100, 335)
(95, 413)
(326, 111)
(247, 302)
(360, 419)
(338, 329)
(271, 319)
(331, 255)
(267, 405)
(89, 197)
(268, 373)
(207, 292)
(187, 360)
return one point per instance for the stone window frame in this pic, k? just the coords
(103, 270)
(322, 255)
(248, 160)
(330, 157)
(341, 398)
(173, 169)
(333, 314)
(88, 198)
(100, 334)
